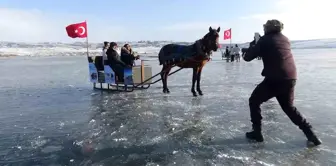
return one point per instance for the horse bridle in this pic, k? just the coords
(205, 44)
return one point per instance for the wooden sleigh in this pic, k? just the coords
(137, 77)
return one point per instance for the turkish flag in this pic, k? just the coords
(227, 34)
(77, 30)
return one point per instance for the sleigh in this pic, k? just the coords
(137, 77)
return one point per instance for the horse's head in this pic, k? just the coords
(210, 40)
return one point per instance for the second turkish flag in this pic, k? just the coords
(227, 34)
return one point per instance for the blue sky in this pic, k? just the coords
(178, 20)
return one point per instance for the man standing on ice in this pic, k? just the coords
(280, 79)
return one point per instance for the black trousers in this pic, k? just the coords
(118, 70)
(283, 90)
(232, 58)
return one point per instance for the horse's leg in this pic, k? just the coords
(199, 73)
(194, 78)
(166, 73)
(164, 85)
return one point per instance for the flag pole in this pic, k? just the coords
(87, 40)
(230, 37)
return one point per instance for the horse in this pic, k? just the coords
(193, 56)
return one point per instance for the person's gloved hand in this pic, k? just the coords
(252, 43)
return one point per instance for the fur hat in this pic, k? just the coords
(273, 26)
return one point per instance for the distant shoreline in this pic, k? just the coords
(144, 42)
(94, 53)
(144, 48)
(7, 55)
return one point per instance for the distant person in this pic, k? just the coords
(114, 61)
(232, 54)
(99, 60)
(227, 53)
(280, 79)
(127, 55)
(236, 52)
(105, 47)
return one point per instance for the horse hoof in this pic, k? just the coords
(166, 91)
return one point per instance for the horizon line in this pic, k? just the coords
(172, 41)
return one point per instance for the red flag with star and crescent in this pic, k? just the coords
(78, 30)
(227, 34)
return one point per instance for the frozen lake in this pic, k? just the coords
(50, 115)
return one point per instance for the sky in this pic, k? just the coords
(175, 20)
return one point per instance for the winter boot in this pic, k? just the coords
(311, 136)
(255, 134)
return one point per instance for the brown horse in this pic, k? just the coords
(193, 56)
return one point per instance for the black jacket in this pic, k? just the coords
(113, 58)
(275, 50)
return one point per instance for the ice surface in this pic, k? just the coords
(51, 115)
